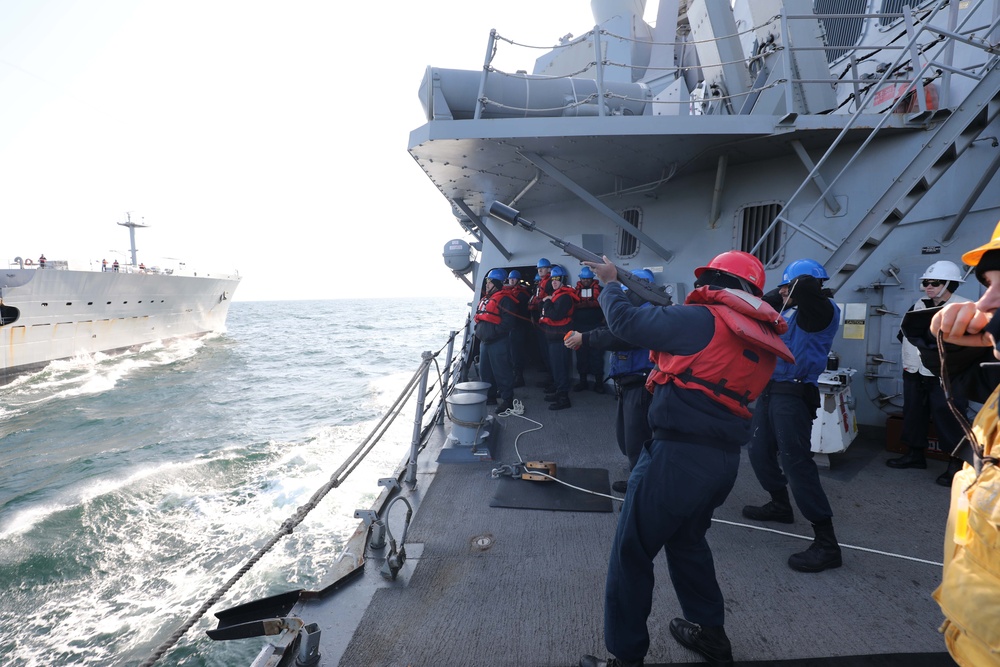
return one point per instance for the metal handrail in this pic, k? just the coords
(418, 382)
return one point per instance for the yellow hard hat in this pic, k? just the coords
(972, 257)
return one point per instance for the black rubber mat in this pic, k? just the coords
(533, 495)
(881, 660)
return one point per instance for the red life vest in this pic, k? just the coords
(738, 362)
(489, 308)
(536, 299)
(559, 293)
(588, 295)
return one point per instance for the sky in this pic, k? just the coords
(267, 138)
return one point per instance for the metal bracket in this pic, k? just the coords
(390, 483)
(370, 517)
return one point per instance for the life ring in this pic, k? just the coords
(28, 262)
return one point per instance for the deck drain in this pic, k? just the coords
(482, 542)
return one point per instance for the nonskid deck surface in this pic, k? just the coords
(533, 594)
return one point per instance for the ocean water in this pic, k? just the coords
(133, 486)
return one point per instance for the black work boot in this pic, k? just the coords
(822, 554)
(912, 459)
(561, 402)
(599, 386)
(954, 465)
(779, 509)
(711, 643)
(591, 661)
(581, 385)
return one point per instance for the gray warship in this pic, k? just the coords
(859, 133)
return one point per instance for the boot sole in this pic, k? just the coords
(773, 519)
(819, 568)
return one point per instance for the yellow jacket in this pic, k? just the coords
(969, 593)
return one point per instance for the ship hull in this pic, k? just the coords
(62, 314)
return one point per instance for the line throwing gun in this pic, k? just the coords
(651, 293)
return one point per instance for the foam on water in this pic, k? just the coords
(136, 485)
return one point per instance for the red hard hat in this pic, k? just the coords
(740, 264)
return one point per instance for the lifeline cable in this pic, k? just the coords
(845, 546)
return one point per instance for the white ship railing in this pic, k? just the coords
(906, 69)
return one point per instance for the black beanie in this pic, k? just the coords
(990, 261)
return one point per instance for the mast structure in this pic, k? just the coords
(131, 232)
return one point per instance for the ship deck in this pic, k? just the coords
(533, 595)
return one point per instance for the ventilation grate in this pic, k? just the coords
(839, 31)
(752, 223)
(628, 245)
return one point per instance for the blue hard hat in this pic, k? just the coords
(558, 272)
(644, 274)
(515, 274)
(586, 272)
(543, 263)
(497, 274)
(803, 267)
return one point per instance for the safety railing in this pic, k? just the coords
(906, 72)
(429, 410)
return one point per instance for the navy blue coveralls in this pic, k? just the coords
(781, 447)
(629, 368)
(686, 471)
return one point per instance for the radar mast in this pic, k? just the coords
(131, 232)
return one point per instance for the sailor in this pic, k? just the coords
(540, 289)
(41, 262)
(494, 322)
(586, 317)
(114, 267)
(923, 396)
(522, 325)
(970, 584)
(713, 355)
(556, 322)
(783, 417)
(630, 366)
(104, 265)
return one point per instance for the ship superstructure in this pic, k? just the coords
(854, 133)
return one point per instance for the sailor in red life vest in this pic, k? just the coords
(587, 317)
(522, 325)
(540, 290)
(494, 322)
(556, 322)
(713, 355)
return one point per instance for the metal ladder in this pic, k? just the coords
(951, 138)
(949, 133)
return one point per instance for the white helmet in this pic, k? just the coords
(943, 270)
